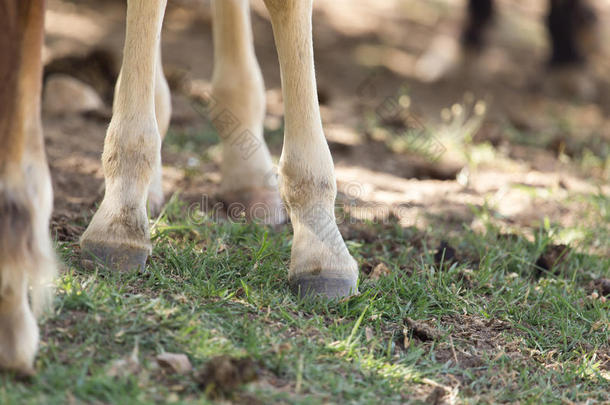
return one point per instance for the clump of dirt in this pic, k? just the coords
(470, 341)
(602, 286)
(473, 339)
(551, 259)
(223, 374)
(422, 331)
(445, 254)
(438, 396)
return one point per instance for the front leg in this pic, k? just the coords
(118, 234)
(320, 262)
(27, 258)
(571, 28)
(239, 94)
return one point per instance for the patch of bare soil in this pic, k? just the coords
(361, 62)
(223, 375)
(482, 338)
(469, 343)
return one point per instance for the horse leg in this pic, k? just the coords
(320, 262)
(27, 260)
(118, 234)
(248, 178)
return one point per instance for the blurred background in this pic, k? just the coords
(422, 133)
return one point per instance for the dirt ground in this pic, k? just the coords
(510, 139)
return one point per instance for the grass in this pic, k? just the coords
(486, 322)
(503, 330)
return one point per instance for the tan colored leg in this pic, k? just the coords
(239, 94)
(163, 112)
(27, 260)
(320, 261)
(118, 234)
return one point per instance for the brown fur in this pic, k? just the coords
(16, 233)
(15, 218)
(20, 81)
(10, 43)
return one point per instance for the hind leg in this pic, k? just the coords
(238, 90)
(118, 234)
(27, 263)
(571, 26)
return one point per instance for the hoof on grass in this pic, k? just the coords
(310, 286)
(114, 257)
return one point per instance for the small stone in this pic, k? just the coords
(176, 362)
(64, 94)
(422, 331)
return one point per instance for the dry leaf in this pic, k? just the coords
(381, 270)
(176, 362)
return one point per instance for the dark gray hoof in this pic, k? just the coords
(308, 286)
(114, 257)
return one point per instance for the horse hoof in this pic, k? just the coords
(114, 257)
(309, 286)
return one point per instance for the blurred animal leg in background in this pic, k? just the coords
(446, 55)
(118, 234)
(480, 15)
(573, 33)
(571, 25)
(27, 260)
(248, 179)
(320, 262)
